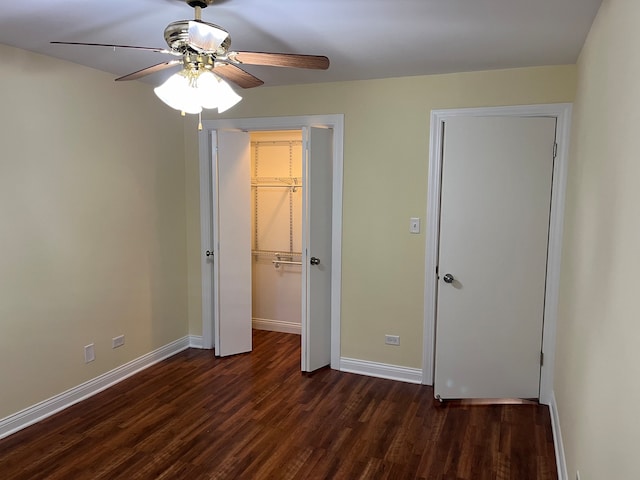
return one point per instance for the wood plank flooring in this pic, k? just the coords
(255, 416)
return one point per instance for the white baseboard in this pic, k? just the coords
(557, 439)
(196, 341)
(276, 326)
(46, 408)
(381, 370)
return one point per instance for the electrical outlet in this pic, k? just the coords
(89, 353)
(392, 339)
(117, 341)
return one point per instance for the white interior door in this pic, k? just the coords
(232, 239)
(494, 222)
(316, 255)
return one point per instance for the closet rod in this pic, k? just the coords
(276, 181)
(263, 185)
(276, 253)
(284, 262)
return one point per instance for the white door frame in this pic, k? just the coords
(335, 122)
(562, 113)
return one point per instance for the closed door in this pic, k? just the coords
(494, 224)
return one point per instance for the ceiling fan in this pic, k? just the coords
(205, 47)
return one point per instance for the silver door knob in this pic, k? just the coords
(314, 261)
(209, 253)
(448, 278)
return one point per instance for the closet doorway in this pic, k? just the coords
(271, 221)
(276, 230)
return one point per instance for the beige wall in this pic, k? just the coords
(385, 177)
(92, 210)
(598, 360)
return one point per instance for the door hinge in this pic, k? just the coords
(541, 359)
(555, 150)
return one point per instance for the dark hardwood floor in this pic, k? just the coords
(255, 416)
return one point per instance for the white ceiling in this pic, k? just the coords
(364, 39)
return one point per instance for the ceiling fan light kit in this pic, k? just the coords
(190, 91)
(208, 64)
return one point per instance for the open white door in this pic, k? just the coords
(231, 172)
(316, 255)
(494, 224)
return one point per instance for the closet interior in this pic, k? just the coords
(276, 243)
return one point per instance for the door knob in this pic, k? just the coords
(448, 278)
(314, 261)
(209, 253)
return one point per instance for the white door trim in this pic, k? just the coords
(562, 112)
(336, 122)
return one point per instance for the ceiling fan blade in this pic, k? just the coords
(205, 37)
(149, 70)
(151, 49)
(318, 62)
(237, 76)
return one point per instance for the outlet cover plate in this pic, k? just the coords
(392, 340)
(89, 353)
(117, 341)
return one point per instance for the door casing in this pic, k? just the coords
(336, 123)
(562, 113)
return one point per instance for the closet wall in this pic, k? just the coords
(276, 170)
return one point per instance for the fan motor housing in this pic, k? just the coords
(177, 37)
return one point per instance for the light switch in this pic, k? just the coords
(414, 225)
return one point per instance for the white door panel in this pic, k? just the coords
(494, 220)
(232, 238)
(316, 315)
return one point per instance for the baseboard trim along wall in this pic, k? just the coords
(46, 408)
(557, 439)
(196, 341)
(381, 370)
(276, 326)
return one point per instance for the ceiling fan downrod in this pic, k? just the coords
(198, 5)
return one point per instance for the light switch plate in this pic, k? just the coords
(414, 225)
